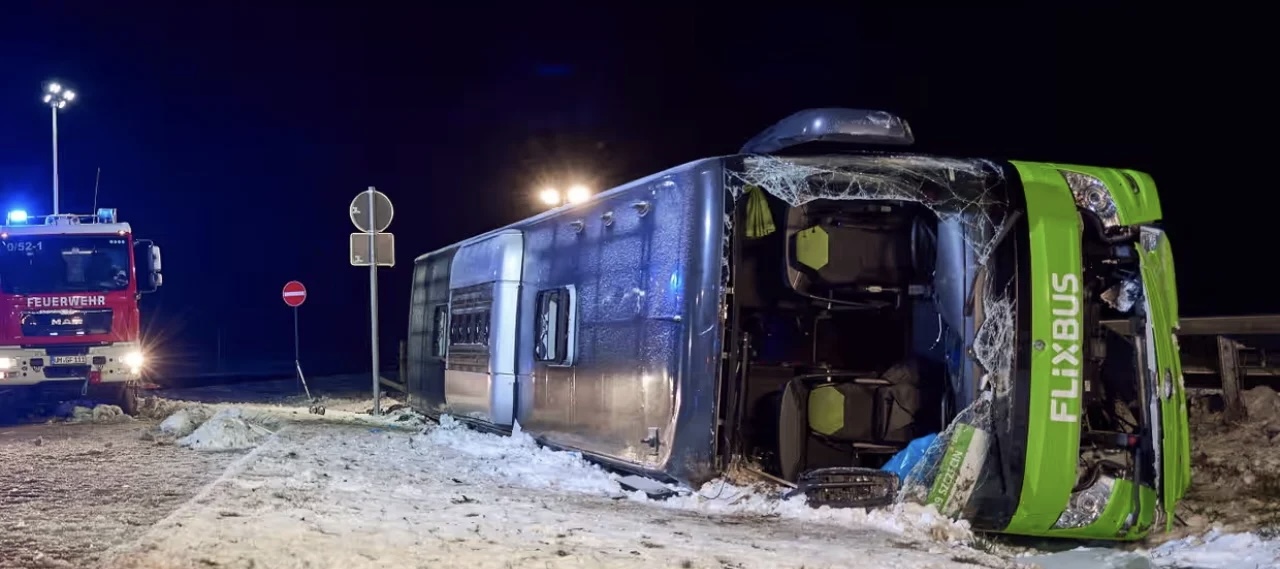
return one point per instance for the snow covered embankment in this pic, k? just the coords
(494, 499)
(341, 496)
(201, 426)
(518, 460)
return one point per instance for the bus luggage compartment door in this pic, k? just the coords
(480, 367)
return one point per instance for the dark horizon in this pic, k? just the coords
(236, 137)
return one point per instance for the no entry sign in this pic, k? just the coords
(294, 293)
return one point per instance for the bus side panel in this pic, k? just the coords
(428, 332)
(1057, 326)
(637, 275)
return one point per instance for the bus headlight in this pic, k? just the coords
(134, 360)
(1093, 195)
(6, 363)
(1086, 506)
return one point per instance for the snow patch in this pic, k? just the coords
(1217, 550)
(234, 427)
(906, 518)
(323, 495)
(184, 421)
(99, 414)
(1090, 558)
(226, 430)
(518, 460)
(1213, 550)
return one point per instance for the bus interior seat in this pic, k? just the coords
(838, 249)
(833, 418)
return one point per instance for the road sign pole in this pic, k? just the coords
(371, 225)
(295, 335)
(294, 295)
(373, 303)
(297, 365)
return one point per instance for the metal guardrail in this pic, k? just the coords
(402, 369)
(1249, 325)
(1231, 334)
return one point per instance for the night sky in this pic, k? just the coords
(235, 134)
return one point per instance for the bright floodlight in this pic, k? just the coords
(549, 196)
(17, 216)
(57, 96)
(578, 194)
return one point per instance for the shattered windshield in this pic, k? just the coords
(54, 264)
(953, 188)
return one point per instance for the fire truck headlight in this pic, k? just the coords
(134, 360)
(6, 363)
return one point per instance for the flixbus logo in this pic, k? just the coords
(1065, 366)
(78, 301)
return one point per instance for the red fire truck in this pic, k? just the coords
(69, 290)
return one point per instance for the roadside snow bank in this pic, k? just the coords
(910, 519)
(317, 495)
(86, 411)
(518, 460)
(99, 414)
(226, 430)
(216, 427)
(1217, 550)
(1089, 558)
(185, 421)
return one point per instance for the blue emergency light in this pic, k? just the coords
(17, 216)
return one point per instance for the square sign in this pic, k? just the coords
(386, 243)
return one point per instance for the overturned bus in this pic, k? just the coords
(810, 308)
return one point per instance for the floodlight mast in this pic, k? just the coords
(57, 97)
(552, 197)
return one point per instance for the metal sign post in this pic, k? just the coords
(294, 295)
(371, 213)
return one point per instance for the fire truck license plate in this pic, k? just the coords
(70, 360)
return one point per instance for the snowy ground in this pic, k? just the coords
(262, 483)
(68, 492)
(317, 495)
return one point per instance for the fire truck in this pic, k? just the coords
(69, 318)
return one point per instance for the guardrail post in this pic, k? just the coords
(1229, 370)
(404, 363)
